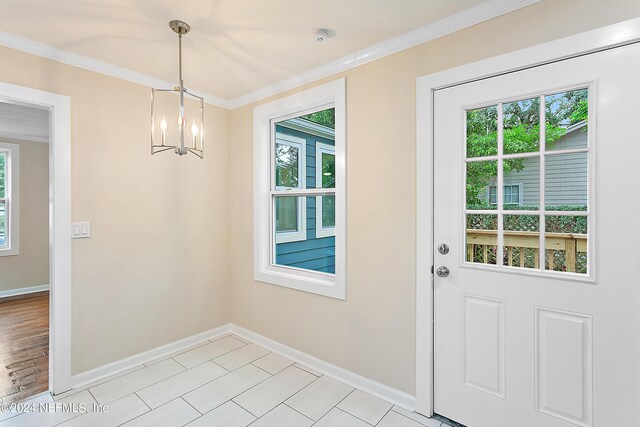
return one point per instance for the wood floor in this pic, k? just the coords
(24, 346)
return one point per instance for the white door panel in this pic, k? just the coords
(529, 347)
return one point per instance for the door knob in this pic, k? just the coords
(442, 271)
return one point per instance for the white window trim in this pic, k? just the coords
(520, 196)
(322, 231)
(12, 198)
(320, 97)
(301, 145)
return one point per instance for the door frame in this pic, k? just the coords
(59, 107)
(604, 38)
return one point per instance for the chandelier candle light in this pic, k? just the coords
(190, 117)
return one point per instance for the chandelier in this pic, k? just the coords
(177, 115)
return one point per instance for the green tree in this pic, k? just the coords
(325, 117)
(580, 112)
(286, 166)
(521, 134)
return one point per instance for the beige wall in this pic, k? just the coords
(31, 266)
(372, 332)
(161, 264)
(156, 267)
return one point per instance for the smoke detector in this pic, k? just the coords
(320, 35)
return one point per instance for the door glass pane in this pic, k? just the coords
(566, 243)
(521, 130)
(301, 249)
(482, 238)
(567, 114)
(286, 214)
(522, 241)
(565, 184)
(287, 165)
(482, 132)
(481, 184)
(521, 180)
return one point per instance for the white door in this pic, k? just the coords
(539, 338)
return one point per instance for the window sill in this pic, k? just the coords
(9, 252)
(289, 237)
(325, 232)
(302, 280)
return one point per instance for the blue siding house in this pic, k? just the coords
(306, 237)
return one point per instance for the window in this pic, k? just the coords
(299, 191)
(290, 174)
(9, 194)
(512, 194)
(325, 178)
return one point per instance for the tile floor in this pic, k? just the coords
(224, 382)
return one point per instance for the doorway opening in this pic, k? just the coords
(59, 220)
(24, 250)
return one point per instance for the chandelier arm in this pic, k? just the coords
(198, 153)
(160, 148)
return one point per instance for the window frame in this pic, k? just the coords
(520, 196)
(321, 230)
(542, 153)
(265, 116)
(12, 199)
(301, 144)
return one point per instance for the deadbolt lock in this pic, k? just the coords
(443, 248)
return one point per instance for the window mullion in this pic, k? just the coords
(500, 192)
(543, 147)
(309, 192)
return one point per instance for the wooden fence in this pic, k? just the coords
(517, 242)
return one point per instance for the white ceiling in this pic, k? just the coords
(24, 123)
(235, 46)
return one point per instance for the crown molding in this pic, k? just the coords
(458, 21)
(77, 60)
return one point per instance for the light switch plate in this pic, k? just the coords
(80, 230)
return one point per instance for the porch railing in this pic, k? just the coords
(481, 246)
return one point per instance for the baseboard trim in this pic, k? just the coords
(375, 388)
(101, 372)
(23, 291)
